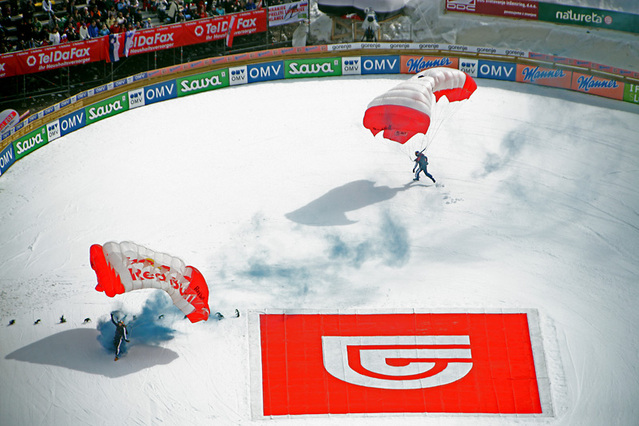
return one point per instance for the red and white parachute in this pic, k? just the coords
(126, 266)
(405, 110)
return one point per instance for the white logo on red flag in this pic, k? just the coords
(397, 362)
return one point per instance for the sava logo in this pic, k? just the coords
(26, 145)
(299, 69)
(200, 84)
(397, 362)
(103, 110)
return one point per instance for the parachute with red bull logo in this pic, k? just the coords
(127, 266)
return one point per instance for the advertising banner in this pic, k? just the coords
(106, 108)
(588, 17)
(509, 8)
(320, 67)
(631, 93)
(9, 65)
(202, 82)
(599, 86)
(160, 92)
(7, 158)
(288, 13)
(66, 124)
(415, 64)
(351, 65)
(324, 364)
(266, 71)
(381, 64)
(549, 12)
(238, 75)
(497, 70)
(30, 142)
(544, 76)
(188, 33)
(61, 55)
(225, 27)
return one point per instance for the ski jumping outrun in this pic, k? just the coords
(421, 164)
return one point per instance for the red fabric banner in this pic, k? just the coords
(60, 56)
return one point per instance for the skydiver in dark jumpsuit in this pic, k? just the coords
(421, 162)
(120, 335)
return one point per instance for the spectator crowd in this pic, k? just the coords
(25, 24)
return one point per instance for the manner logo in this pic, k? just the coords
(397, 362)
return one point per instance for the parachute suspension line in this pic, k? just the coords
(450, 110)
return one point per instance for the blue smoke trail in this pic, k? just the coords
(151, 327)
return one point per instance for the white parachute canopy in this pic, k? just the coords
(127, 266)
(405, 110)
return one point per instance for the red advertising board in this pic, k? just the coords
(397, 363)
(141, 41)
(544, 76)
(193, 32)
(8, 65)
(599, 86)
(509, 8)
(415, 64)
(53, 57)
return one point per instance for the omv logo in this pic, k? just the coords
(397, 362)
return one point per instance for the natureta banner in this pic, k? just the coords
(549, 12)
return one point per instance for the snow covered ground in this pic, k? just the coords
(536, 208)
(299, 207)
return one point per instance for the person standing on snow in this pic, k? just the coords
(421, 162)
(120, 335)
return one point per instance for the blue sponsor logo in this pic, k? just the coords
(101, 89)
(497, 70)
(265, 72)
(381, 65)
(7, 158)
(72, 122)
(160, 92)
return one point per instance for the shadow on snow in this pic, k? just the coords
(330, 209)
